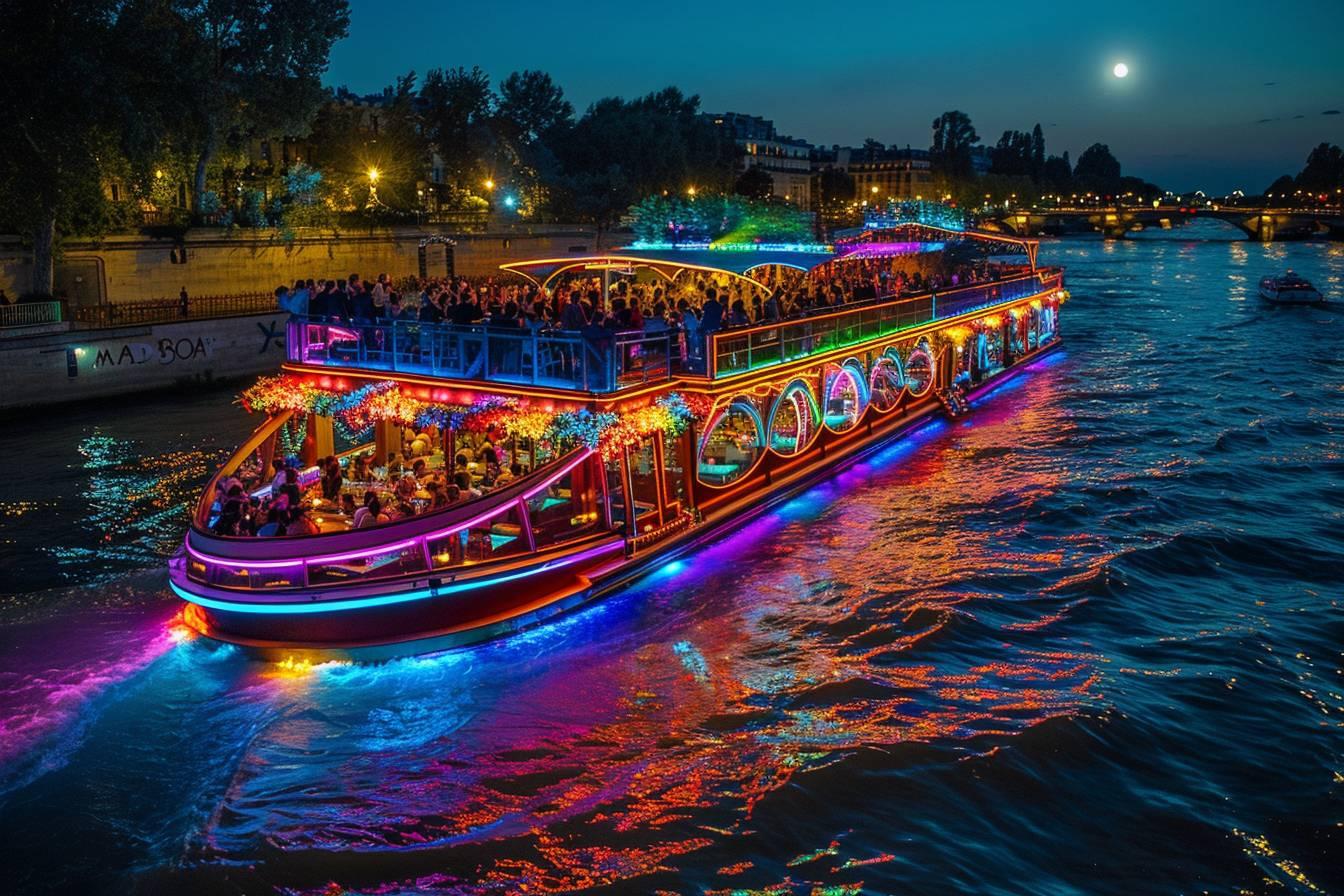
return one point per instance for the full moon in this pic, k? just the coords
(1121, 70)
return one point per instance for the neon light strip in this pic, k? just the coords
(381, 600)
(383, 549)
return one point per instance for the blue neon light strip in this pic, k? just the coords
(360, 603)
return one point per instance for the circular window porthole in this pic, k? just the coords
(733, 444)
(919, 371)
(887, 381)
(794, 420)
(844, 397)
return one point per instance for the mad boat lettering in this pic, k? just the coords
(165, 351)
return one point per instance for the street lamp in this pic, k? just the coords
(489, 184)
(690, 191)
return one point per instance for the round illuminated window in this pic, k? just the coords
(794, 420)
(919, 371)
(886, 381)
(733, 443)
(844, 396)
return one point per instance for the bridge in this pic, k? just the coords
(1115, 222)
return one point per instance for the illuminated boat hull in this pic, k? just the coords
(771, 428)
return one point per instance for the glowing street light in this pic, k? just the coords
(690, 191)
(489, 184)
(374, 174)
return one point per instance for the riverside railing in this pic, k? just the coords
(160, 311)
(742, 350)
(29, 314)
(590, 362)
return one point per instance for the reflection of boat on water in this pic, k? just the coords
(631, 448)
(1289, 289)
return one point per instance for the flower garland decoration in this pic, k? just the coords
(354, 413)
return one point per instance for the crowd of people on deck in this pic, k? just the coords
(696, 305)
(356, 491)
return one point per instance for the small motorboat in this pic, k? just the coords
(1290, 289)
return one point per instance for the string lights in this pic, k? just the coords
(357, 411)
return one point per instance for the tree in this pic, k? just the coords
(253, 67)
(754, 183)
(532, 105)
(1284, 185)
(953, 139)
(1057, 175)
(457, 106)
(79, 95)
(1037, 152)
(1098, 170)
(835, 186)
(350, 141)
(1324, 171)
(621, 151)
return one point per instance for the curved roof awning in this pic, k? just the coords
(670, 262)
(849, 241)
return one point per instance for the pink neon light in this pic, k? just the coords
(580, 459)
(382, 549)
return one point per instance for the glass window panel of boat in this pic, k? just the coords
(794, 420)
(1033, 327)
(567, 507)
(398, 561)
(732, 445)
(887, 381)
(1019, 331)
(644, 474)
(919, 371)
(498, 537)
(844, 398)
(616, 493)
(673, 470)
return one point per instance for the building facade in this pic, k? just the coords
(787, 160)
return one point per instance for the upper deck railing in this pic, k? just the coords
(764, 345)
(602, 361)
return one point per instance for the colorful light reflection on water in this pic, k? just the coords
(1083, 641)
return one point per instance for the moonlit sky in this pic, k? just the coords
(1220, 96)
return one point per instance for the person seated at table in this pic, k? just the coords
(400, 511)
(300, 523)
(370, 496)
(276, 515)
(277, 476)
(373, 514)
(490, 478)
(438, 495)
(419, 469)
(463, 483)
(290, 490)
(231, 512)
(454, 494)
(406, 487)
(348, 505)
(488, 455)
(515, 471)
(362, 471)
(332, 479)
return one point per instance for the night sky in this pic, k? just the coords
(1220, 96)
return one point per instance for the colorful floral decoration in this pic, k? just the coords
(354, 414)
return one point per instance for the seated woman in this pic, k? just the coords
(371, 514)
(463, 482)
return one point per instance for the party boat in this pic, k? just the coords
(629, 449)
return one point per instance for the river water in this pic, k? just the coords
(1086, 641)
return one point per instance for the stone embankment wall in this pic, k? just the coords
(85, 364)
(127, 269)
